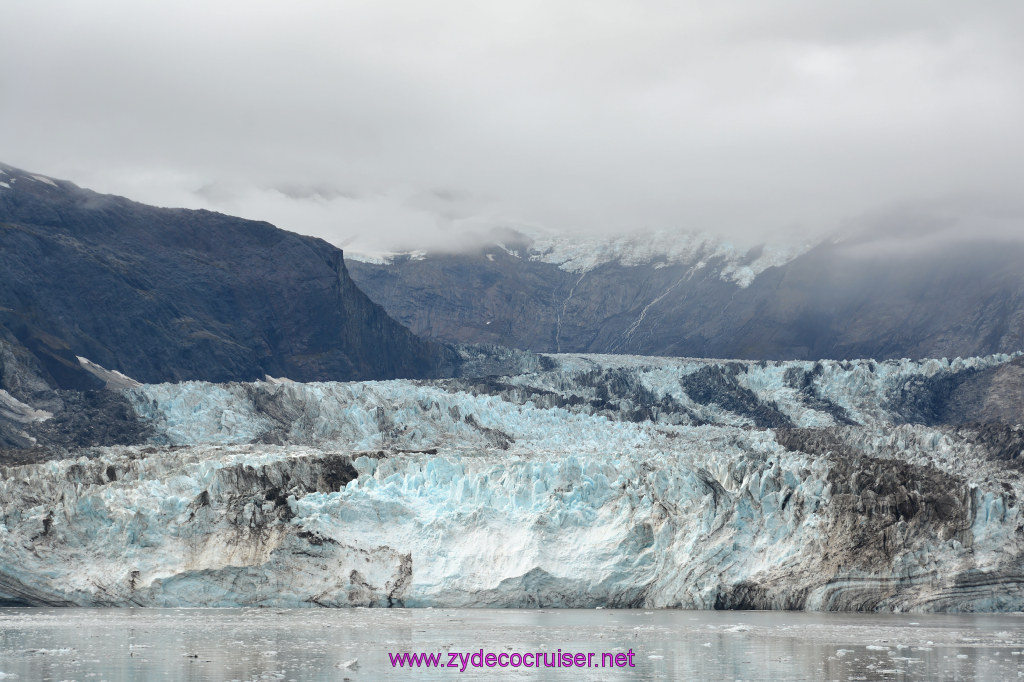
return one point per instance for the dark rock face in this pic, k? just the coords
(91, 418)
(836, 301)
(170, 294)
(38, 422)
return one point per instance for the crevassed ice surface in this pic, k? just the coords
(607, 480)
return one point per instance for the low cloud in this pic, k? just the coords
(405, 124)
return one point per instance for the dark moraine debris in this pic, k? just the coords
(614, 393)
(820, 441)
(928, 400)
(496, 437)
(990, 395)
(803, 381)
(881, 507)
(753, 596)
(81, 420)
(1000, 442)
(92, 418)
(717, 385)
(335, 473)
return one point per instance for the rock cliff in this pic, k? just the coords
(171, 294)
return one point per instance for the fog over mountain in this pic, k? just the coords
(392, 125)
(877, 294)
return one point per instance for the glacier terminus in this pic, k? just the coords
(577, 481)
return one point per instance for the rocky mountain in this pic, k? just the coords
(694, 296)
(579, 481)
(171, 294)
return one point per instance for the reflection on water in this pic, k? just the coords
(289, 644)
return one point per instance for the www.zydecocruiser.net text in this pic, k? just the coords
(531, 659)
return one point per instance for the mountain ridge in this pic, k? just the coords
(838, 299)
(172, 294)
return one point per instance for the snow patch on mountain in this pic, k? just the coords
(112, 378)
(375, 257)
(15, 410)
(582, 253)
(43, 179)
(660, 249)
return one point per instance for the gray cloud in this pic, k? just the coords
(412, 123)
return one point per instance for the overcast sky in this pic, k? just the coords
(383, 124)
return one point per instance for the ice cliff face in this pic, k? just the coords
(596, 480)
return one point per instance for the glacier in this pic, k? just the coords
(584, 481)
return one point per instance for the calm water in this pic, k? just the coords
(284, 644)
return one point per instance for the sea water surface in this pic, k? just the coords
(357, 644)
